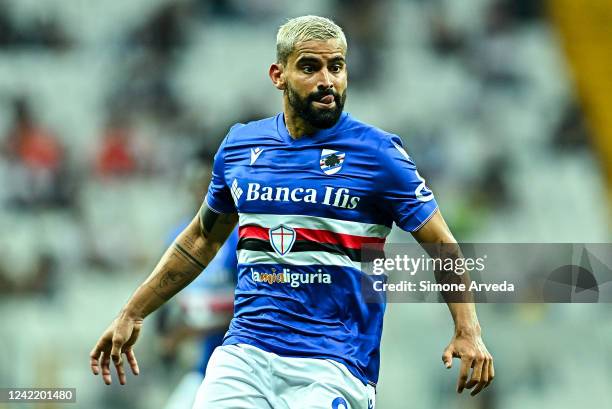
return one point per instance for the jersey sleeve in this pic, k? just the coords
(218, 198)
(404, 192)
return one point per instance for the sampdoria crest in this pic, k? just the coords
(331, 161)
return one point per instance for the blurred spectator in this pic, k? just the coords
(144, 87)
(528, 9)
(220, 8)
(48, 33)
(42, 31)
(492, 188)
(572, 131)
(116, 156)
(144, 84)
(40, 281)
(445, 40)
(364, 25)
(499, 17)
(6, 286)
(37, 162)
(493, 54)
(165, 31)
(8, 31)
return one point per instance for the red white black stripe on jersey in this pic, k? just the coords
(320, 240)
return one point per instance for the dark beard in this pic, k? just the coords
(318, 118)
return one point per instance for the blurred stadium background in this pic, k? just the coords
(506, 107)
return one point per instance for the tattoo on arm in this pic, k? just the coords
(183, 264)
(173, 278)
(216, 224)
(170, 283)
(188, 256)
(208, 218)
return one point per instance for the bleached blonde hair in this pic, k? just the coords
(305, 28)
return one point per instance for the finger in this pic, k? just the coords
(94, 360)
(491, 372)
(120, 371)
(131, 357)
(483, 379)
(466, 364)
(118, 342)
(476, 373)
(106, 372)
(447, 357)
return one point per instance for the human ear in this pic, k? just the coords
(277, 76)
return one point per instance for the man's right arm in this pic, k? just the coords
(182, 262)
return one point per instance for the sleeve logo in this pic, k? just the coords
(236, 191)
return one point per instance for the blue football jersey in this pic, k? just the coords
(305, 208)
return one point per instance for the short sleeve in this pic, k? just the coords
(404, 192)
(218, 198)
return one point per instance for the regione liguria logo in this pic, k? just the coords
(282, 238)
(331, 161)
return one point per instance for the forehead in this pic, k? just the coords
(327, 50)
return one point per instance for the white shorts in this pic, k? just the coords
(245, 377)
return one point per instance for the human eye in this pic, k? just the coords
(336, 68)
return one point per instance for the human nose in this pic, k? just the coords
(325, 79)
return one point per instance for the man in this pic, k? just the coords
(309, 187)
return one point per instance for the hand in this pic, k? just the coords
(473, 354)
(117, 340)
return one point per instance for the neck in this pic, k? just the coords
(296, 126)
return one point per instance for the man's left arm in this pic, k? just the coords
(466, 343)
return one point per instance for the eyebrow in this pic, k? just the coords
(310, 59)
(303, 60)
(337, 59)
